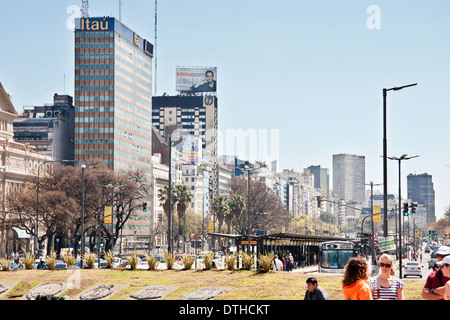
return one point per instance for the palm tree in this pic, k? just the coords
(220, 207)
(236, 206)
(163, 197)
(183, 196)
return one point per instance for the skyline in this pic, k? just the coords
(314, 73)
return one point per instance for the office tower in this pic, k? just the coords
(193, 118)
(48, 128)
(349, 177)
(420, 190)
(113, 94)
(321, 178)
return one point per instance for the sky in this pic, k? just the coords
(309, 74)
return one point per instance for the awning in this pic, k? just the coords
(21, 234)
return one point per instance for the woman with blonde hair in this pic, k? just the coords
(386, 286)
(355, 285)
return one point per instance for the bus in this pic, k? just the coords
(334, 255)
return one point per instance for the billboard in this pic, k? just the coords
(196, 79)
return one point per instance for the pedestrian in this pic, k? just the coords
(386, 286)
(445, 268)
(434, 286)
(355, 285)
(291, 262)
(277, 265)
(314, 291)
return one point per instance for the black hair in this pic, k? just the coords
(311, 280)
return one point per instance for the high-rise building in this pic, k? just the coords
(113, 94)
(420, 190)
(349, 177)
(194, 120)
(321, 178)
(48, 128)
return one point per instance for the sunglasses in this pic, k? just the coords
(387, 265)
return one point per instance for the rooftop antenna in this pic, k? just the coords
(156, 37)
(120, 10)
(85, 8)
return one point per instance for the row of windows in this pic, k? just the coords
(183, 110)
(93, 151)
(94, 109)
(107, 162)
(94, 130)
(94, 141)
(94, 45)
(94, 88)
(94, 98)
(106, 34)
(94, 119)
(91, 77)
(94, 56)
(96, 66)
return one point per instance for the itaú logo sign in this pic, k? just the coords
(94, 24)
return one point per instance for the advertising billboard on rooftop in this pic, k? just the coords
(196, 79)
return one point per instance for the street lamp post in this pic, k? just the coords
(403, 157)
(385, 222)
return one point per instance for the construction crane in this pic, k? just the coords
(85, 8)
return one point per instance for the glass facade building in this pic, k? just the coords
(113, 94)
(421, 190)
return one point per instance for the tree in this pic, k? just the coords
(264, 206)
(220, 207)
(60, 193)
(183, 197)
(236, 205)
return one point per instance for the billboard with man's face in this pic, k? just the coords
(196, 79)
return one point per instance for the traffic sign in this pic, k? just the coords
(386, 244)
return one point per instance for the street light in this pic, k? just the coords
(247, 167)
(37, 198)
(403, 157)
(385, 223)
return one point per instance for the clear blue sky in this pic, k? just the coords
(313, 70)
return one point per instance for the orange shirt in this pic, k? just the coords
(359, 290)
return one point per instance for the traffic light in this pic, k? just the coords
(319, 201)
(363, 242)
(413, 208)
(144, 206)
(102, 242)
(405, 209)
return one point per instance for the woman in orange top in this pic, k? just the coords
(355, 284)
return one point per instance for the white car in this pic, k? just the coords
(412, 268)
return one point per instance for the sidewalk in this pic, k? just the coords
(308, 269)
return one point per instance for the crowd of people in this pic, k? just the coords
(287, 261)
(358, 285)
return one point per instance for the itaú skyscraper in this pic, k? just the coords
(113, 94)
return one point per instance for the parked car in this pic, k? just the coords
(60, 265)
(117, 263)
(12, 266)
(412, 268)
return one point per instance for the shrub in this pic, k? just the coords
(29, 261)
(89, 259)
(247, 260)
(265, 261)
(230, 261)
(132, 260)
(152, 261)
(208, 260)
(170, 260)
(69, 260)
(50, 261)
(109, 257)
(4, 263)
(188, 261)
